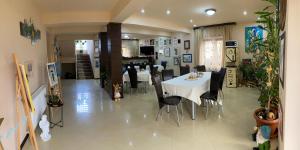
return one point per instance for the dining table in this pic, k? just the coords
(142, 76)
(188, 88)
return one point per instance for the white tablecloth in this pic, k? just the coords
(144, 76)
(160, 68)
(189, 89)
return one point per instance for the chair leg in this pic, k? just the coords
(181, 109)
(206, 111)
(220, 109)
(178, 123)
(158, 113)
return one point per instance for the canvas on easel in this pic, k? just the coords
(1, 147)
(22, 89)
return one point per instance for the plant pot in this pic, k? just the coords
(273, 124)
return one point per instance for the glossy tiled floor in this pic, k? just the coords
(94, 122)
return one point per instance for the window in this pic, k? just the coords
(211, 55)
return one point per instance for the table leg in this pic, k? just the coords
(193, 111)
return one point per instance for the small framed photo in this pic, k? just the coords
(187, 58)
(167, 52)
(176, 61)
(152, 42)
(187, 44)
(282, 59)
(52, 74)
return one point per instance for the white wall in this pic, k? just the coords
(292, 80)
(11, 13)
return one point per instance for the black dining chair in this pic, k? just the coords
(211, 96)
(167, 74)
(133, 78)
(184, 70)
(142, 66)
(200, 68)
(222, 77)
(164, 64)
(165, 101)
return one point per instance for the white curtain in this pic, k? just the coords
(212, 54)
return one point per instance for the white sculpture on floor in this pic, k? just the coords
(44, 125)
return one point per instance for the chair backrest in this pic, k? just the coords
(222, 76)
(167, 74)
(164, 64)
(184, 70)
(214, 82)
(159, 91)
(200, 68)
(133, 77)
(142, 66)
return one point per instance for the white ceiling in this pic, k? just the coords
(181, 10)
(76, 5)
(184, 10)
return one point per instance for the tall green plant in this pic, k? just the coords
(267, 55)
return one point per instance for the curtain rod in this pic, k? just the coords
(215, 25)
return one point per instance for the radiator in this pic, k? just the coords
(40, 103)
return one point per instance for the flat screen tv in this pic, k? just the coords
(147, 50)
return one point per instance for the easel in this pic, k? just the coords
(21, 89)
(1, 147)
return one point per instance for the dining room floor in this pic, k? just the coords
(92, 122)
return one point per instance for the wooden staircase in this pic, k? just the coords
(84, 67)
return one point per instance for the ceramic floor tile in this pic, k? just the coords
(93, 122)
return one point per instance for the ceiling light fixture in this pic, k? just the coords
(191, 21)
(142, 11)
(210, 11)
(168, 12)
(194, 25)
(126, 36)
(245, 12)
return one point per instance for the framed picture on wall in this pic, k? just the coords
(152, 42)
(187, 58)
(176, 61)
(167, 52)
(187, 44)
(52, 74)
(282, 59)
(175, 51)
(252, 34)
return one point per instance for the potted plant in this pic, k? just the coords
(267, 67)
(53, 100)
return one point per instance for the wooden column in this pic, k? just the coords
(111, 56)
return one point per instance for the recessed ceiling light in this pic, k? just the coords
(168, 12)
(210, 11)
(245, 12)
(142, 11)
(194, 25)
(191, 21)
